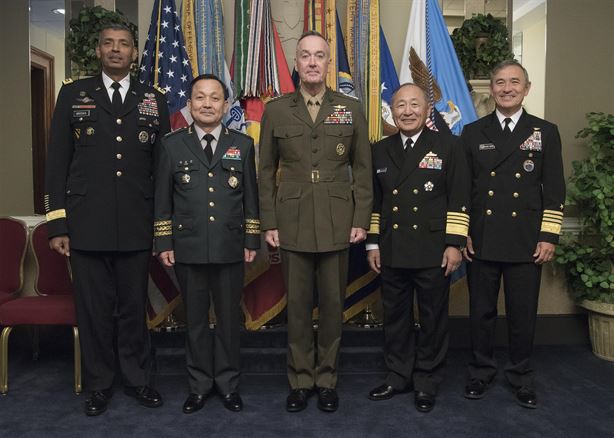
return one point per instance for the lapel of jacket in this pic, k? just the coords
(326, 107)
(415, 155)
(299, 109)
(223, 143)
(394, 148)
(101, 96)
(519, 134)
(131, 99)
(194, 145)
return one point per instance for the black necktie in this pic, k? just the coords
(208, 149)
(506, 129)
(408, 144)
(116, 101)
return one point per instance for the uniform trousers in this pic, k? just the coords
(521, 285)
(213, 359)
(415, 357)
(327, 271)
(110, 296)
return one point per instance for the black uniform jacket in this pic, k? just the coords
(421, 199)
(206, 212)
(518, 188)
(99, 175)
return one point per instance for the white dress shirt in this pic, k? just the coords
(123, 89)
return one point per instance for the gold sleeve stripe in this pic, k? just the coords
(554, 212)
(374, 223)
(549, 227)
(159, 223)
(461, 230)
(163, 233)
(163, 228)
(252, 226)
(458, 217)
(56, 214)
(248, 231)
(252, 221)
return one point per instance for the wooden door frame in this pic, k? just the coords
(44, 62)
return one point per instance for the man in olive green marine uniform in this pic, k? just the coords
(314, 136)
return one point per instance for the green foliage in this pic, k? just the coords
(83, 37)
(477, 62)
(588, 257)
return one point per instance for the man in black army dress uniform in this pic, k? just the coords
(206, 227)
(105, 134)
(518, 191)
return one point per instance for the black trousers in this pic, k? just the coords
(110, 295)
(412, 357)
(212, 359)
(521, 285)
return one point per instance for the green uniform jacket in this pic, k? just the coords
(325, 177)
(206, 212)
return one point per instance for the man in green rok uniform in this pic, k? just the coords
(105, 135)
(318, 140)
(206, 210)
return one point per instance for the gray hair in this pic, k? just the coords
(508, 63)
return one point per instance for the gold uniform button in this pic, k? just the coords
(395, 208)
(395, 226)
(210, 174)
(517, 175)
(493, 173)
(211, 219)
(415, 209)
(415, 227)
(118, 173)
(395, 192)
(211, 204)
(514, 214)
(415, 191)
(118, 156)
(118, 138)
(211, 189)
(119, 121)
(489, 212)
(515, 195)
(491, 193)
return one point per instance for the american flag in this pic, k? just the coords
(165, 62)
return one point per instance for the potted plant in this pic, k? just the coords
(588, 256)
(83, 38)
(481, 43)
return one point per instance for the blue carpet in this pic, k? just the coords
(575, 390)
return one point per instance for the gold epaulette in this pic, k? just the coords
(457, 223)
(552, 221)
(163, 228)
(374, 226)
(56, 214)
(252, 226)
(161, 90)
(67, 81)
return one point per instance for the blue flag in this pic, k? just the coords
(390, 82)
(433, 54)
(165, 61)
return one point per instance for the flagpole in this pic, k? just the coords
(155, 82)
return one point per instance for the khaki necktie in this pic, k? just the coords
(313, 106)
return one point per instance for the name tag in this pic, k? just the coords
(382, 170)
(486, 147)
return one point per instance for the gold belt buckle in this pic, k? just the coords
(315, 176)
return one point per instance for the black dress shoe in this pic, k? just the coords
(194, 402)
(233, 402)
(526, 397)
(424, 402)
(475, 389)
(297, 399)
(145, 395)
(97, 403)
(385, 392)
(328, 400)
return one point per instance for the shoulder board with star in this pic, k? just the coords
(67, 81)
(161, 90)
(176, 131)
(234, 131)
